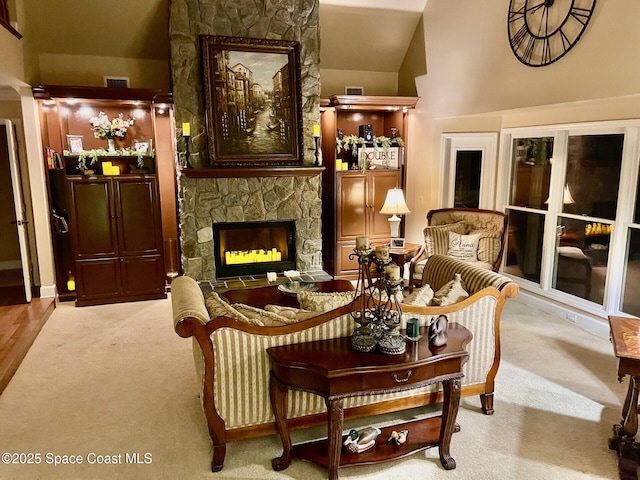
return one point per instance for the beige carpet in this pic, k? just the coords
(115, 380)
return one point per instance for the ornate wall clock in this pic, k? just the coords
(543, 31)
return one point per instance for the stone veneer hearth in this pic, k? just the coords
(203, 201)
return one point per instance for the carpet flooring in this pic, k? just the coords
(114, 387)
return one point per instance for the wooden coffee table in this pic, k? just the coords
(260, 296)
(333, 370)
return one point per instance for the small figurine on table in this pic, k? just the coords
(358, 441)
(398, 438)
(438, 331)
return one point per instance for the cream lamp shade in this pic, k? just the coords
(395, 205)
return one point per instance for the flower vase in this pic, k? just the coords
(111, 145)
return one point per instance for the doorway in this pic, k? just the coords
(15, 269)
(469, 170)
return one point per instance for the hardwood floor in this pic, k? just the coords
(19, 327)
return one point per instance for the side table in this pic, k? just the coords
(625, 336)
(333, 370)
(400, 256)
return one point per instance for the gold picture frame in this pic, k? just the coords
(142, 146)
(75, 143)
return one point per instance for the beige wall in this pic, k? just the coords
(374, 83)
(89, 70)
(474, 83)
(12, 64)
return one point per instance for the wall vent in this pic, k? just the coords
(354, 90)
(116, 82)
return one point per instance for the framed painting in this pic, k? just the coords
(252, 101)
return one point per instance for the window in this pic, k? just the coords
(574, 213)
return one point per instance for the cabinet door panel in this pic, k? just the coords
(92, 218)
(353, 207)
(346, 266)
(379, 183)
(97, 279)
(138, 216)
(142, 275)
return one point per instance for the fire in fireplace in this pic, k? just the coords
(247, 248)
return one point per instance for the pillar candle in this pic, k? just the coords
(106, 168)
(362, 243)
(186, 129)
(382, 252)
(338, 165)
(393, 272)
(316, 130)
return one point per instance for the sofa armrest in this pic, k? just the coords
(441, 269)
(187, 303)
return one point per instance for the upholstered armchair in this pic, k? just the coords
(489, 228)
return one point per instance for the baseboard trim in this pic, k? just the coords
(591, 323)
(48, 291)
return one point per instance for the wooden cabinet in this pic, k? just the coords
(360, 198)
(352, 199)
(116, 233)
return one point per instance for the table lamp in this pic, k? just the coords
(395, 205)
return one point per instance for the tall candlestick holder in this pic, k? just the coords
(316, 162)
(187, 154)
(376, 308)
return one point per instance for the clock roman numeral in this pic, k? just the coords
(546, 51)
(580, 14)
(519, 37)
(528, 51)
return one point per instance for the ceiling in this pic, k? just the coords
(376, 34)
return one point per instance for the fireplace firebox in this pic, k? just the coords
(248, 248)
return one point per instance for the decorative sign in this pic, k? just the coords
(380, 156)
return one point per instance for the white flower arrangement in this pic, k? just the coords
(103, 128)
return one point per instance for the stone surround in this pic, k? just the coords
(203, 201)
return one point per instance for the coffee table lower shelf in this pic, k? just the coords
(423, 434)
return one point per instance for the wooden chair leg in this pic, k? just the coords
(486, 399)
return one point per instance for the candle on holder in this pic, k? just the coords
(186, 129)
(382, 252)
(393, 272)
(316, 130)
(362, 243)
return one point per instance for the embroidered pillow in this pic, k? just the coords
(436, 237)
(217, 307)
(420, 296)
(463, 247)
(450, 293)
(323, 301)
(489, 245)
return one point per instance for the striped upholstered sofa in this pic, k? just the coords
(233, 367)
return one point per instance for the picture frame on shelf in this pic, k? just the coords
(75, 143)
(397, 242)
(262, 127)
(142, 146)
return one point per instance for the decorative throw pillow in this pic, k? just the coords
(217, 307)
(420, 296)
(452, 292)
(436, 237)
(261, 317)
(489, 245)
(291, 313)
(463, 247)
(323, 301)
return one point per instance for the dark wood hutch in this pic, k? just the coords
(114, 236)
(352, 198)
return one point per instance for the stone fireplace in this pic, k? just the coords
(208, 196)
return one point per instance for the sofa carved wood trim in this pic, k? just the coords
(222, 398)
